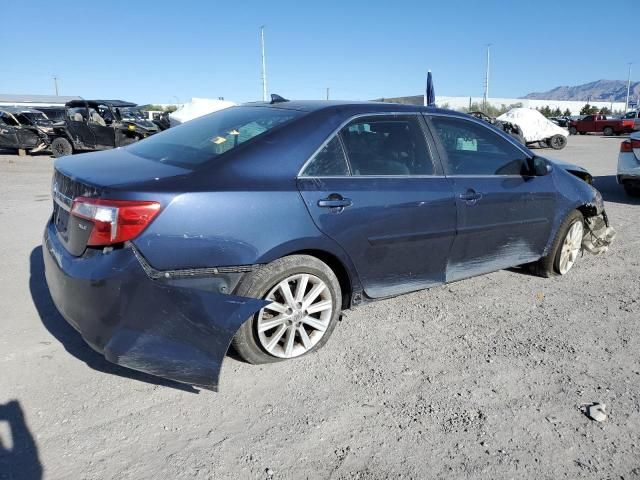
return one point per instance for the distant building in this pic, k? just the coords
(34, 100)
(459, 103)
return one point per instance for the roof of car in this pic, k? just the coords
(360, 106)
(112, 103)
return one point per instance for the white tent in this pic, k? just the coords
(197, 107)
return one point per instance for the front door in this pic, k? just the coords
(78, 127)
(504, 214)
(385, 203)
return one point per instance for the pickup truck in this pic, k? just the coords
(635, 116)
(601, 124)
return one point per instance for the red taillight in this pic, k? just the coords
(114, 221)
(629, 145)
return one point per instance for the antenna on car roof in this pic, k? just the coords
(275, 98)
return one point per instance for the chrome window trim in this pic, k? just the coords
(344, 124)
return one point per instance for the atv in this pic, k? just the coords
(99, 125)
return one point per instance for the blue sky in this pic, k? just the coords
(154, 51)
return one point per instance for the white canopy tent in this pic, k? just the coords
(197, 107)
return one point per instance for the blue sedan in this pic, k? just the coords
(256, 226)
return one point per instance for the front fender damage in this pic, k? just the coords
(598, 234)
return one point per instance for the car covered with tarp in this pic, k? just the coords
(536, 128)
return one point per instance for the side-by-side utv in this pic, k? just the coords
(24, 129)
(99, 125)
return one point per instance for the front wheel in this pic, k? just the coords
(305, 303)
(61, 147)
(557, 142)
(565, 249)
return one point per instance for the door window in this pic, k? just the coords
(474, 149)
(328, 162)
(387, 145)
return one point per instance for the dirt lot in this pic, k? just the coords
(478, 379)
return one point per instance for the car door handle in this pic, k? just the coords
(335, 202)
(470, 196)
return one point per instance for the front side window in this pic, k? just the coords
(328, 162)
(387, 145)
(473, 149)
(203, 139)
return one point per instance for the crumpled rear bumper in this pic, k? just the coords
(176, 333)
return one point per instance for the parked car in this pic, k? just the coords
(99, 125)
(24, 129)
(629, 165)
(536, 128)
(601, 124)
(561, 121)
(507, 127)
(259, 224)
(635, 116)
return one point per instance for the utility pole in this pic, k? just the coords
(55, 84)
(626, 103)
(486, 76)
(264, 66)
(327, 93)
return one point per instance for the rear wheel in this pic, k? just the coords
(607, 131)
(565, 248)
(305, 306)
(573, 130)
(557, 142)
(61, 147)
(631, 190)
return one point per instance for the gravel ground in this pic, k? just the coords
(479, 379)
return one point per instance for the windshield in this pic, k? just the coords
(205, 138)
(38, 118)
(131, 114)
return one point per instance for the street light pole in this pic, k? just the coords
(55, 84)
(486, 76)
(626, 103)
(264, 66)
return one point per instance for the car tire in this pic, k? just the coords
(631, 190)
(258, 341)
(552, 264)
(61, 147)
(557, 142)
(573, 130)
(607, 131)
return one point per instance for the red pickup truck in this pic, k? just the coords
(601, 124)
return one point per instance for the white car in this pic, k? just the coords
(629, 165)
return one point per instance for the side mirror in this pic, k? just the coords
(541, 167)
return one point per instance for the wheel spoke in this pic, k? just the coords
(288, 343)
(320, 306)
(276, 307)
(306, 341)
(275, 338)
(313, 294)
(301, 288)
(272, 323)
(286, 293)
(314, 323)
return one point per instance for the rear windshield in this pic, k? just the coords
(208, 137)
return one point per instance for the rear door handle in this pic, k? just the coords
(335, 202)
(470, 196)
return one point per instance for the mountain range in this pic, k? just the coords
(600, 90)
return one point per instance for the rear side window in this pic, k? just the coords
(203, 139)
(474, 149)
(328, 162)
(387, 145)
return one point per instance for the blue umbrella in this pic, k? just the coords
(430, 97)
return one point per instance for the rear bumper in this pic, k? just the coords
(148, 325)
(628, 167)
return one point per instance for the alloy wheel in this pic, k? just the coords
(570, 248)
(298, 316)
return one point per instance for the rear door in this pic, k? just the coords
(103, 132)
(78, 127)
(8, 132)
(377, 189)
(504, 214)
